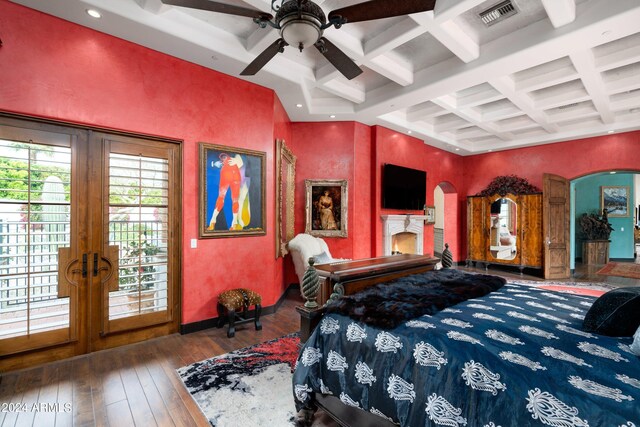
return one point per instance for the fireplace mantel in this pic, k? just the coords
(394, 224)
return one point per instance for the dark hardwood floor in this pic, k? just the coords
(138, 385)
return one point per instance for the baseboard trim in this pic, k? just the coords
(188, 328)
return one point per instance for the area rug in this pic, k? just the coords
(621, 269)
(594, 289)
(247, 387)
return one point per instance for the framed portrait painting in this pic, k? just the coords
(430, 212)
(615, 200)
(326, 206)
(232, 192)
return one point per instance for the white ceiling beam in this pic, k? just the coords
(473, 118)
(396, 35)
(525, 48)
(425, 110)
(506, 86)
(153, 6)
(450, 35)
(342, 88)
(592, 81)
(446, 10)
(560, 12)
(393, 68)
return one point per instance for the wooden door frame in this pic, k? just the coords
(82, 344)
(99, 337)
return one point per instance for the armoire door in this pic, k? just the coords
(88, 222)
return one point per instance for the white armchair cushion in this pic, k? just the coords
(303, 247)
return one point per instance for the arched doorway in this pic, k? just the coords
(586, 194)
(445, 229)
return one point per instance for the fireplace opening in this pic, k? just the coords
(403, 243)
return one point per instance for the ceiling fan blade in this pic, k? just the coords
(378, 9)
(338, 58)
(262, 59)
(213, 6)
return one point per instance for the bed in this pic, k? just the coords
(516, 356)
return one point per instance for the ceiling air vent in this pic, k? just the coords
(497, 13)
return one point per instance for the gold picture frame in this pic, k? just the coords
(232, 192)
(327, 204)
(285, 196)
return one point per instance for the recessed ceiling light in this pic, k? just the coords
(612, 172)
(488, 151)
(299, 105)
(611, 131)
(333, 116)
(94, 13)
(457, 149)
(409, 132)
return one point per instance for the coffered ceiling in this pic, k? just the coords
(556, 70)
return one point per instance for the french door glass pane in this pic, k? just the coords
(34, 224)
(138, 225)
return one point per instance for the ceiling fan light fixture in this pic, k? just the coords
(300, 32)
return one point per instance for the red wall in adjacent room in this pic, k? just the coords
(441, 166)
(55, 69)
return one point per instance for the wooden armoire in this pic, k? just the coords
(508, 235)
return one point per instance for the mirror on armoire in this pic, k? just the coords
(503, 220)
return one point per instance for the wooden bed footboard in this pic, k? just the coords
(349, 277)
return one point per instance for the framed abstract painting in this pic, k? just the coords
(326, 205)
(232, 192)
(615, 200)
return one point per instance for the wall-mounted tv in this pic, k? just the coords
(403, 188)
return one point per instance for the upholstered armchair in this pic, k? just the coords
(304, 246)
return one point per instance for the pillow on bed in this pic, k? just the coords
(616, 313)
(635, 346)
(322, 258)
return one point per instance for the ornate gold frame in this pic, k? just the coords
(317, 184)
(285, 196)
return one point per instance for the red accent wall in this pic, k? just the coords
(570, 159)
(55, 69)
(441, 166)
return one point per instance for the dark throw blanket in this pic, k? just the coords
(387, 305)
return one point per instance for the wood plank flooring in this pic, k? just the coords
(137, 385)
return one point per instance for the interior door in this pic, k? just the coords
(89, 240)
(556, 226)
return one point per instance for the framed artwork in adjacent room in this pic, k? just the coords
(615, 200)
(430, 212)
(326, 207)
(232, 192)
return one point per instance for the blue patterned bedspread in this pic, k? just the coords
(515, 357)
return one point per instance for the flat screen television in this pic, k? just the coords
(403, 188)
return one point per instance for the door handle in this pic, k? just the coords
(95, 264)
(84, 265)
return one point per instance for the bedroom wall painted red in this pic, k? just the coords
(570, 159)
(56, 69)
(404, 150)
(325, 150)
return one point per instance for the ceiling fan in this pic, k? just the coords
(302, 22)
